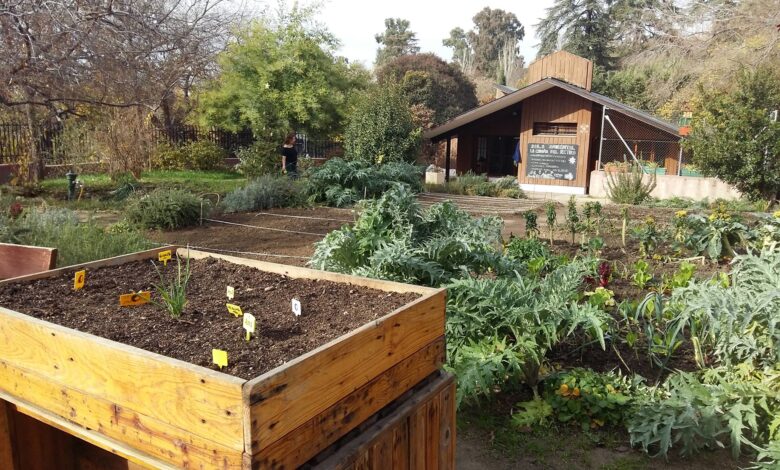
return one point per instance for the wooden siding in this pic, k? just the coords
(556, 105)
(563, 66)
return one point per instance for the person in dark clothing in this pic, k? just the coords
(290, 157)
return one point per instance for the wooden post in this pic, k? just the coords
(447, 160)
(601, 138)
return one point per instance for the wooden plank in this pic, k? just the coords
(42, 447)
(146, 434)
(93, 264)
(18, 260)
(401, 446)
(7, 457)
(319, 432)
(91, 436)
(382, 452)
(194, 399)
(417, 404)
(306, 273)
(432, 433)
(288, 396)
(447, 428)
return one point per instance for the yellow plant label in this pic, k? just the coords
(164, 257)
(231, 292)
(78, 279)
(249, 325)
(234, 309)
(219, 357)
(134, 299)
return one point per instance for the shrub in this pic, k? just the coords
(165, 209)
(526, 249)
(261, 158)
(168, 157)
(263, 193)
(76, 242)
(631, 187)
(196, 155)
(381, 129)
(341, 183)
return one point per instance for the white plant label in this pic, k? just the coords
(231, 292)
(249, 324)
(296, 307)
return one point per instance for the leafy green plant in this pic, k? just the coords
(601, 297)
(525, 249)
(532, 413)
(573, 218)
(341, 183)
(166, 209)
(649, 236)
(631, 187)
(720, 408)
(173, 292)
(261, 158)
(590, 399)
(641, 275)
(194, 155)
(680, 278)
(550, 212)
(264, 192)
(531, 226)
(717, 235)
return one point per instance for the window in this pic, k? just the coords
(481, 149)
(555, 128)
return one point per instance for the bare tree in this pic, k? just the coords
(59, 58)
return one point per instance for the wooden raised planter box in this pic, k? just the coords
(160, 412)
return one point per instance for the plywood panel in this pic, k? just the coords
(556, 105)
(7, 459)
(287, 397)
(321, 431)
(564, 66)
(18, 260)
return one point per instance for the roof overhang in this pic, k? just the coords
(449, 127)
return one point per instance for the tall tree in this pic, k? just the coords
(581, 27)
(492, 44)
(282, 75)
(429, 81)
(395, 41)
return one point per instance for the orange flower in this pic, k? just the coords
(576, 392)
(564, 390)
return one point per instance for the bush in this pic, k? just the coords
(197, 155)
(382, 130)
(341, 183)
(263, 193)
(75, 242)
(630, 187)
(478, 185)
(260, 158)
(165, 209)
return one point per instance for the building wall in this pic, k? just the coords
(557, 106)
(668, 186)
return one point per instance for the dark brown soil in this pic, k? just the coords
(329, 310)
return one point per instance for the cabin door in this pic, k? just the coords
(495, 155)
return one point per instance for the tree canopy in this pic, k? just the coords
(581, 27)
(429, 81)
(491, 47)
(281, 76)
(736, 135)
(397, 40)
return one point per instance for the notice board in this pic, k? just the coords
(552, 161)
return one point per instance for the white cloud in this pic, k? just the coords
(355, 23)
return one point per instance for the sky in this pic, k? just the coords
(356, 22)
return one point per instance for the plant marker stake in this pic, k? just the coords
(134, 299)
(296, 307)
(219, 357)
(230, 292)
(234, 309)
(164, 257)
(249, 325)
(79, 279)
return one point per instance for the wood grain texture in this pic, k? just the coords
(410, 423)
(563, 66)
(18, 260)
(7, 458)
(556, 105)
(306, 273)
(193, 399)
(146, 434)
(288, 396)
(319, 432)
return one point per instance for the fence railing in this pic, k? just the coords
(15, 141)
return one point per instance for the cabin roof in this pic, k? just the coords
(535, 88)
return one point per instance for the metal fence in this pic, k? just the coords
(15, 141)
(655, 150)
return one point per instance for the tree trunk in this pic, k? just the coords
(31, 168)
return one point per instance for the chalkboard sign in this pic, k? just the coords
(552, 161)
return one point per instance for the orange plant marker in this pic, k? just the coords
(134, 299)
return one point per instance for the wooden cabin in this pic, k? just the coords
(561, 129)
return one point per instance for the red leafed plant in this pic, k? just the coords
(15, 210)
(605, 271)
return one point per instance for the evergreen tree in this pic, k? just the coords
(397, 40)
(582, 27)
